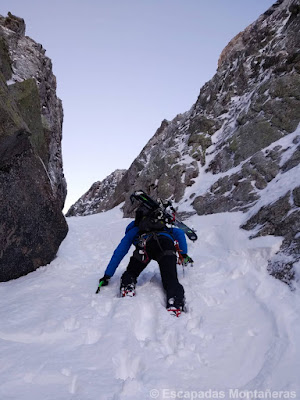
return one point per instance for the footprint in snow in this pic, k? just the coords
(72, 388)
(103, 308)
(210, 300)
(71, 324)
(130, 388)
(194, 325)
(127, 365)
(92, 336)
(145, 323)
(239, 272)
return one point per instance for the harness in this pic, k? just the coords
(142, 244)
(152, 226)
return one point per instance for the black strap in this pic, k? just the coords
(166, 253)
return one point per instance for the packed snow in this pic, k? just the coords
(238, 339)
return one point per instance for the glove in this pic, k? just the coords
(187, 259)
(105, 280)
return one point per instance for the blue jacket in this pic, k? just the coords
(132, 236)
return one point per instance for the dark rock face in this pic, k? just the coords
(26, 61)
(281, 218)
(240, 190)
(166, 165)
(32, 187)
(26, 97)
(31, 222)
(15, 24)
(260, 100)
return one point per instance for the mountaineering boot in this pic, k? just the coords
(127, 290)
(127, 285)
(175, 306)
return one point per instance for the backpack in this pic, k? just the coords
(148, 220)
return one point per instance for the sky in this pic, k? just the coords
(122, 66)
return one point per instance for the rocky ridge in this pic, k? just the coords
(98, 197)
(32, 184)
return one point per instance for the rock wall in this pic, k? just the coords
(242, 133)
(257, 146)
(32, 184)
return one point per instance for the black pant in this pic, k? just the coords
(162, 249)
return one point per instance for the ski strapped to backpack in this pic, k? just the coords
(153, 205)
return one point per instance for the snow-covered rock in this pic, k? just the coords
(98, 197)
(240, 138)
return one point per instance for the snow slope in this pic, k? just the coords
(61, 341)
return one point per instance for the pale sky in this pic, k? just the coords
(122, 66)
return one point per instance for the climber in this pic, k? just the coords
(153, 240)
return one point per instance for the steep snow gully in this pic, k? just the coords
(239, 338)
